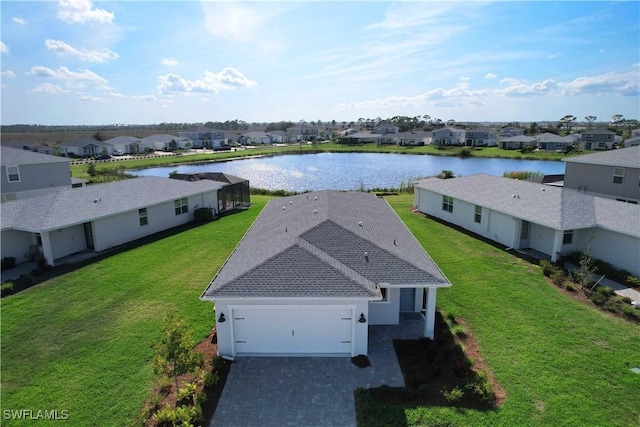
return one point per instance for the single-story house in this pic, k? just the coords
(517, 142)
(164, 142)
(314, 271)
(85, 147)
(101, 216)
(524, 215)
(364, 137)
(125, 144)
(255, 138)
(552, 142)
(235, 195)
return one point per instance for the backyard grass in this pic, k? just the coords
(81, 342)
(560, 362)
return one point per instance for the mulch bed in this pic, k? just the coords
(431, 366)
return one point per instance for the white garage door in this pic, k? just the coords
(299, 330)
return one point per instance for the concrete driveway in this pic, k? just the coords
(309, 391)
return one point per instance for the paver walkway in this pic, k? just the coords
(309, 391)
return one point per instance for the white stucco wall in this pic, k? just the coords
(67, 241)
(16, 244)
(541, 239)
(226, 306)
(494, 225)
(386, 312)
(619, 250)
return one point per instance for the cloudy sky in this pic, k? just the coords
(83, 62)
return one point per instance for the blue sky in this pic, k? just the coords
(83, 62)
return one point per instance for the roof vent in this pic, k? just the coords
(360, 223)
(315, 198)
(394, 242)
(366, 256)
(291, 202)
(284, 208)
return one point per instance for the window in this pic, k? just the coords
(618, 175)
(478, 214)
(567, 239)
(524, 231)
(142, 213)
(383, 291)
(13, 174)
(447, 203)
(181, 206)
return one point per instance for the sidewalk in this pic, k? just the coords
(618, 288)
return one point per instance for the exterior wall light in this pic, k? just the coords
(362, 318)
(221, 319)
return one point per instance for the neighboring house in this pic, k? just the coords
(278, 136)
(411, 138)
(635, 133)
(256, 138)
(632, 142)
(386, 128)
(22, 145)
(101, 216)
(525, 215)
(85, 147)
(29, 174)
(481, 137)
(164, 142)
(205, 137)
(511, 131)
(314, 271)
(125, 144)
(364, 137)
(235, 195)
(448, 136)
(597, 139)
(517, 142)
(302, 132)
(552, 142)
(613, 174)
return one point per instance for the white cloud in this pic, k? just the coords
(3, 48)
(89, 98)
(82, 12)
(8, 74)
(146, 98)
(490, 76)
(63, 73)
(169, 61)
(116, 94)
(621, 84)
(48, 88)
(18, 20)
(228, 78)
(62, 48)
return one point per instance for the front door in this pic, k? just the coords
(88, 235)
(407, 300)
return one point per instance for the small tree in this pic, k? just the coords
(174, 350)
(91, 169)
(586, 268)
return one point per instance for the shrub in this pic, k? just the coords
(6, 289)
(179, 416)
(164, 385)
(211, 379)
(154, 403)
(631, 312)
(465, 152)
(458, 330)
(187, 393)
(611, 306)
(568, 285)
(8, 262)
(632, 281)
(481, 389)
(26, 278)
(454, 395)
(558, 277)
(547, 267)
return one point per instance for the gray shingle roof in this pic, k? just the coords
(83, 142)
(14, 156)
(313, 245)
(123, 140)
(75, 206)
(557, 208)
(621, 157)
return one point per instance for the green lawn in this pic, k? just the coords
(82, 342)
(560, 362)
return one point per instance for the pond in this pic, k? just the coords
(352, 171)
